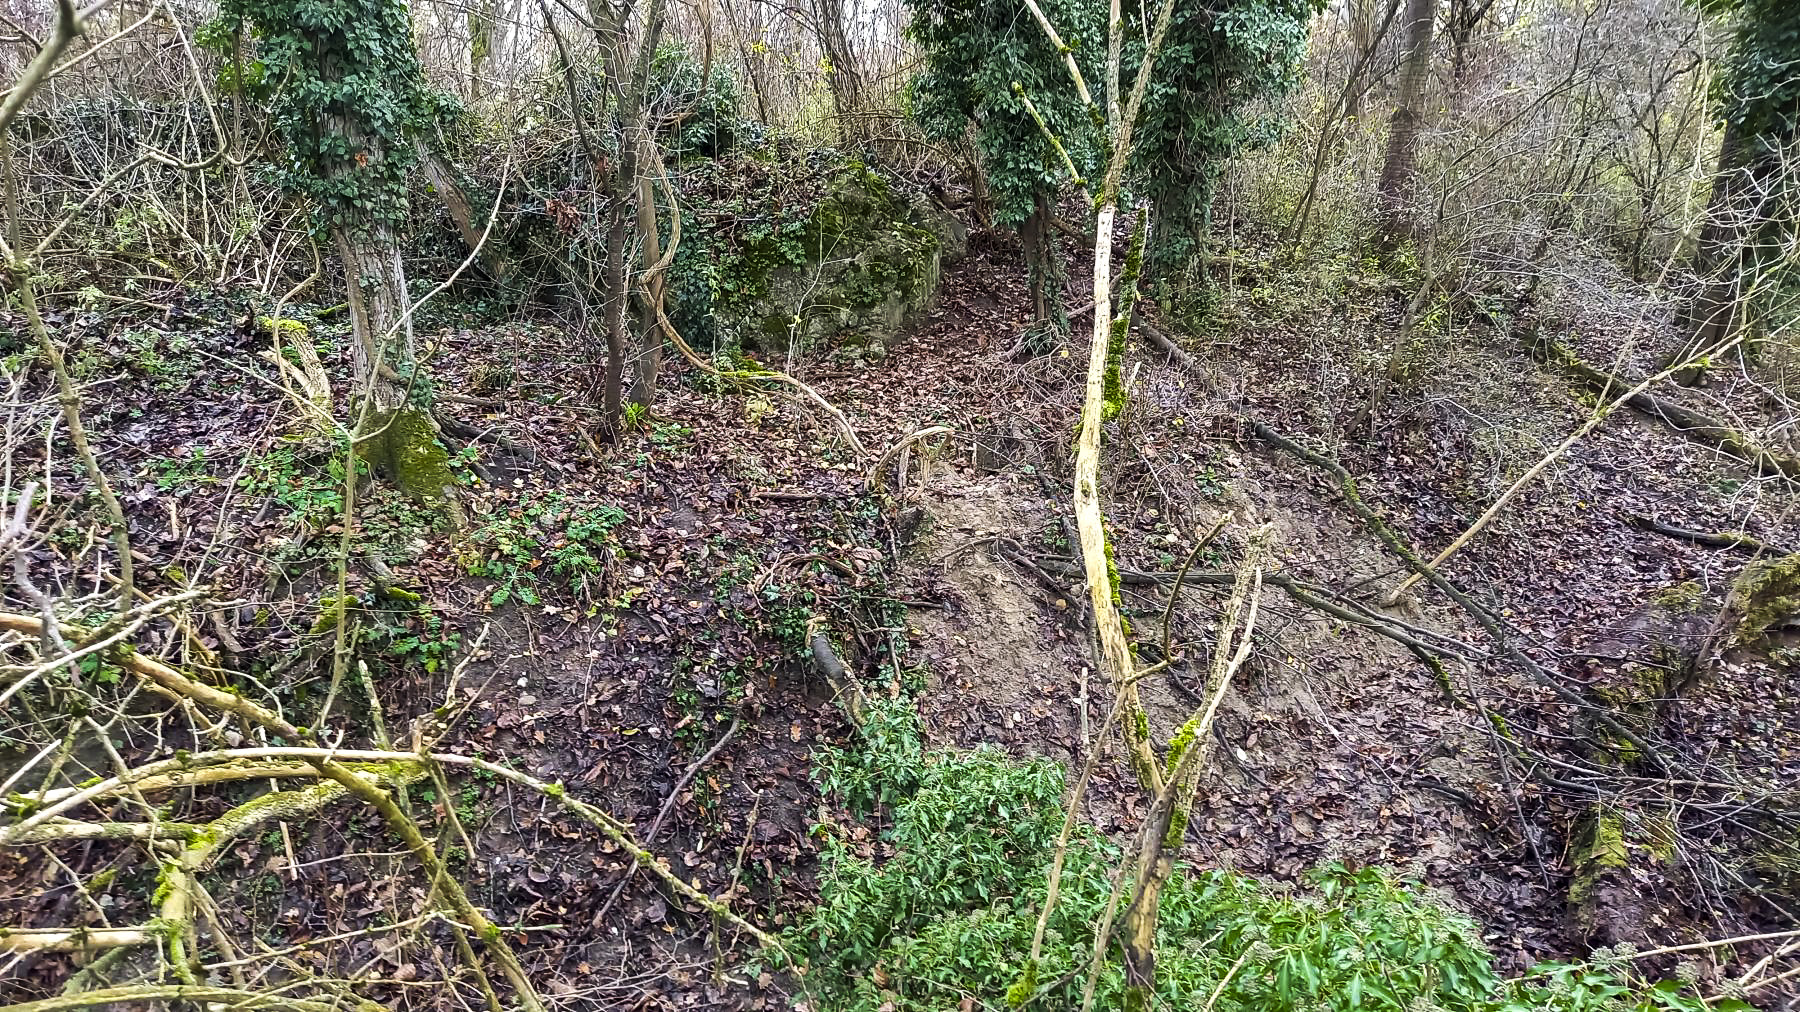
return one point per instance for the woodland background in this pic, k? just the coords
(1209, 504)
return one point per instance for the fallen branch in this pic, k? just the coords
(1483, 616)
(1720, 539)
(887, 456)
(72, 939)
(1601, 413)
(1309, 595)
(841, 681)
(1695, 425)
(669, 806)
(234, 998)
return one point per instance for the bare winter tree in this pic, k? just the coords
(1396, 187)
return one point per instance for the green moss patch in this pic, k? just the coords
(1768, 598)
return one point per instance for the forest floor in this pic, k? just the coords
(610, 618)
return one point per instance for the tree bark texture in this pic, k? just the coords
(1395, 191)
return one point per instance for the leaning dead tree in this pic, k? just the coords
(1168, 781)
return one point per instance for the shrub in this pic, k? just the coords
(950, 914)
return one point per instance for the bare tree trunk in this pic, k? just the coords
(1718, 260)
(375, 286)
(1363, 40)
(483, 16)
(628, 73)
(1465, 17)
(447, 184)
(846, 79)
(1367, 40)
(1394, 192)
(394, 431)
(753, 63)
(650, 342)
(1037, 235)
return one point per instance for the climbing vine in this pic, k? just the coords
(1758, 90)
(988, 67)
(974, 53)
(349, 100)
(1202, 107)
(991, 72)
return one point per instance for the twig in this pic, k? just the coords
(668, 805)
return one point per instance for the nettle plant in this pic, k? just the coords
(346, 94)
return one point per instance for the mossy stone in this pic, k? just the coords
(868, 263)
(1768, 598)
(1604, 851)
(405, 450)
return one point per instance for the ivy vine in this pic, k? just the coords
(982, 61)
(974, 53)
(1222, 62)
(347, 96)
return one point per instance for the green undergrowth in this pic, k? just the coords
(940, 910)
(553, 540)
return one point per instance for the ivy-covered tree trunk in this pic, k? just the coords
(1745, 248)
(1181, 222)
(1394, 192)
(1708, 316)
(353, 111)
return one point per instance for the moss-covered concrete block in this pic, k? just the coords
(869, 263)
(1766, 599)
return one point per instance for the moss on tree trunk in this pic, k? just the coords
(395, 430)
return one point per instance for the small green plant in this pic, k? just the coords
(181, 472)
(952, 912)
(420, 637)
(669, 434)
(571, 537)
(306, 480)
(166, 358)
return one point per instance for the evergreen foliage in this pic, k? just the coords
(950, 914)
(1758, 90)
(974, 52)
(1221, 64)
(349, 100)
(1221, 58)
